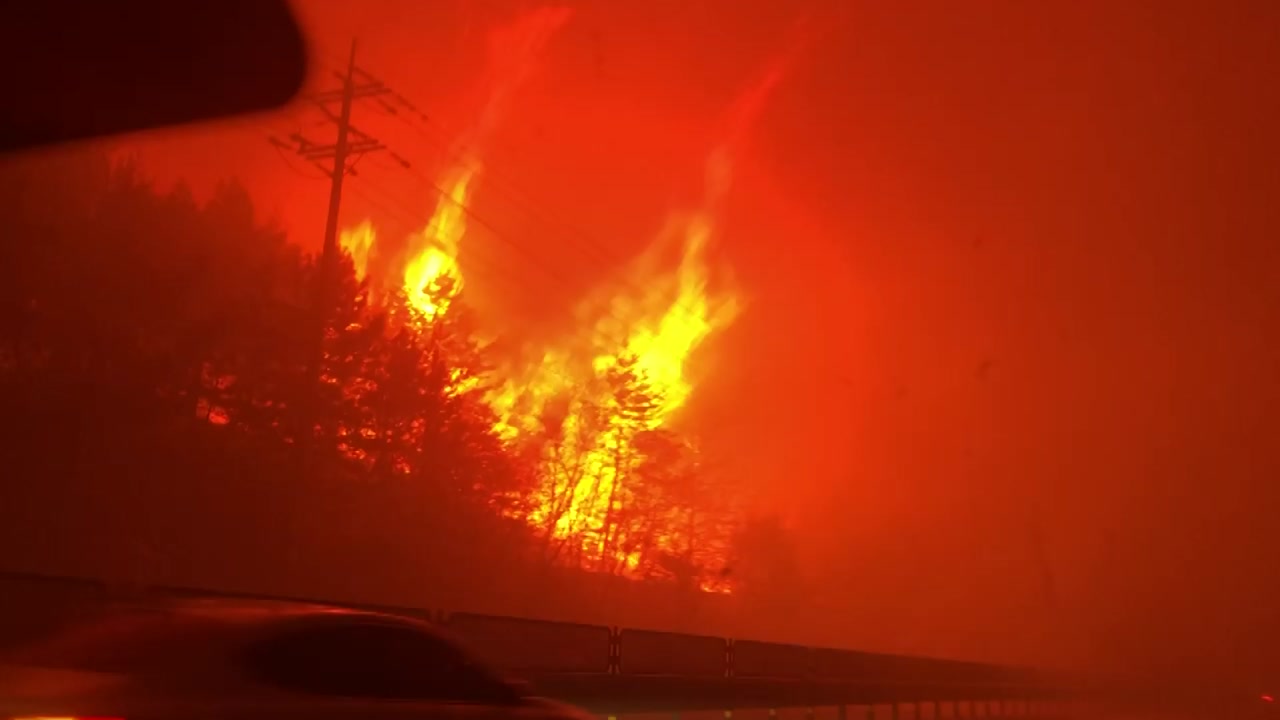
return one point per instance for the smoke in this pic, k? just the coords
(513, 52)
(746, 110)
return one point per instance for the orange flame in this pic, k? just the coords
(599, 408)
(358, 244)
(649, 330)
(432, 277)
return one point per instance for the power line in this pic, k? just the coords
(296, 170)
(407, 219)
(393, 102)
(588, 246)
(586, 243)
(390, 206)
(402, 107)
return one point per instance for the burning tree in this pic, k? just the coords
(407, 394)
(607, 479)
(591, 499)
(616, 491)
(605, 474)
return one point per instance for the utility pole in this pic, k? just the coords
(350, 142)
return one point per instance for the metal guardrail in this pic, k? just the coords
(614, 670)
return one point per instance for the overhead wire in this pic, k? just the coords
(538, 260)
(601, 254)
(593, 249)
(430, 130)
(408, 221)
(441, 195)
(402, 215)
(296, 170)
(589, 247)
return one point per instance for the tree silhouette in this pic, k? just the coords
(168, 341)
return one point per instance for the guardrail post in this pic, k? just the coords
(615, 650)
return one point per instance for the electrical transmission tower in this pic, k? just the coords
(337, 161)
(350, 142)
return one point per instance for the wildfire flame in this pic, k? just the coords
(645, 331)
(432, 277)
(597, 411)
(358, 244)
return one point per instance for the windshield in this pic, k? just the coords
(924, 329)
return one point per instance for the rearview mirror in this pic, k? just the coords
(88, 69)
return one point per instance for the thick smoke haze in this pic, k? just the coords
(1009, 356)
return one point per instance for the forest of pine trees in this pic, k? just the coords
(154, 356)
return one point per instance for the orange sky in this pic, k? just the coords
(1012, 268)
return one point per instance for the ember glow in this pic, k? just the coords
(617, 483)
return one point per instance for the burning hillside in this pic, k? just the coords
(597, 411)
(612, 484)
